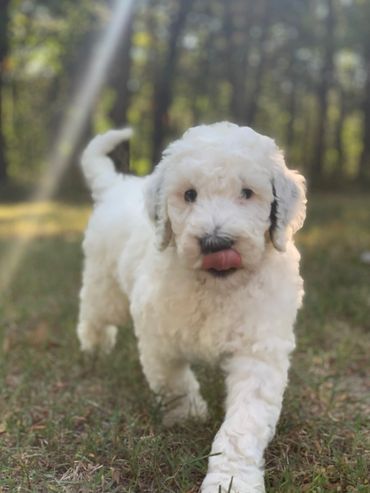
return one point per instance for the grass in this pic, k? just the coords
(69, 424)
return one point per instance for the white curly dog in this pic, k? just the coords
(200, 256)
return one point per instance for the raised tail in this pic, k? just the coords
(98, 168)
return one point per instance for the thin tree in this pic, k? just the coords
(364, 163)
(256, 91)
(120, 75)
(163, 88)
(323, 88)
(237, 22)
(4, 48)
(338, 134)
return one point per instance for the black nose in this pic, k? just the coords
(214, 243)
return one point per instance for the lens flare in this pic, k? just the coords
(76, 116)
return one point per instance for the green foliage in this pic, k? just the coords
(268, 53)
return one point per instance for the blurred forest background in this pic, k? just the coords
(296, 70)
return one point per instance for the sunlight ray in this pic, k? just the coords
(75, 118)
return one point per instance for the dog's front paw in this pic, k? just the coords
(181, 408)
(225, 483)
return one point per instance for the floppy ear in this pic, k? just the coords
(288, 210)
(156, 205)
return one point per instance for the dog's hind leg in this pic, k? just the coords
(102, 307)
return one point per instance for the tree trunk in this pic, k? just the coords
(291, 103)
(164, 80)
(322, 96)
(305, 144)
(237, 54)
(120, 74)
(4, 46)
(364, 163)
(255, 93)
(292, 110)
(339, 168)
(204, 88)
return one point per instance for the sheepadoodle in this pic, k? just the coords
(200, 256)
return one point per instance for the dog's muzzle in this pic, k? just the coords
(219, 258)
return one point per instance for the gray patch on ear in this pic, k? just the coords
(156, 205)
(288, 210)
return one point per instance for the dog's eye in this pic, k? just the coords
(190, 195)
(247, 193)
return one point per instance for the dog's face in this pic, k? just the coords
(221, 194)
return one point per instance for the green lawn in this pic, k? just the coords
(70, 424)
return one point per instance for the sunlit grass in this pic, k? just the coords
(335, 221)
(27, 220)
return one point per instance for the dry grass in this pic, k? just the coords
(73, 425)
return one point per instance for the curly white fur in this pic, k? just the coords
(143, 261)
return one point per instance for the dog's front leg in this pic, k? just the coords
(172, 379)
(255, 384)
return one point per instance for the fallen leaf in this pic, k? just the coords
(39, 335)
(116, 476)
(59, 385)
(38, 427)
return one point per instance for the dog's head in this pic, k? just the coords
(222, 194)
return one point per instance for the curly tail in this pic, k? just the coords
(98, 168)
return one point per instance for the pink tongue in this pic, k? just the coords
(222, 260)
